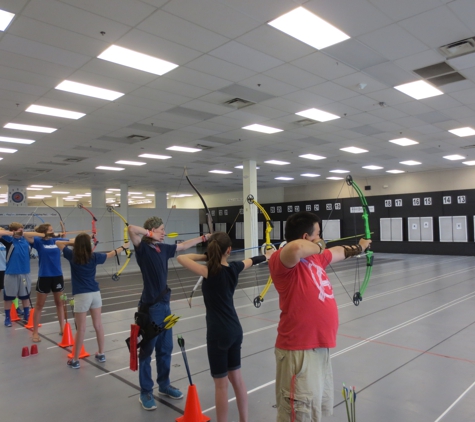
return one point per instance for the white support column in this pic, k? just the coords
(59, 202)
(160, 200)
(98, 198)
(124, 200)
(249, 187)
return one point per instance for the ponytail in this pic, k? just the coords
(218, 244)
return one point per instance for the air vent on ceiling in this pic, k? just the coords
(238, 103)
(202, 146)
(73, 159)
(138, 138)
(458, 48)
(306, 122)
(468, 147)
(439, 74)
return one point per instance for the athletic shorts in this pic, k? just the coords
(50, 284)
(85, 301)
(2, 278)
(306, 376)
(17, 285)
(224, 355)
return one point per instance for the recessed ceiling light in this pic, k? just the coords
(395, 171)
(130, 163)
(114, 190)
(136, 60)
(16, 140)
(469, 163)
(403, 142)
(242, 167)
(277, 162)
(283, 178)
(5, 19)
(8, 150)
(89, 90)
(334, 178)
(263, 129)
(410, 163)
(354, 150)
(318, 115)
(463, 131)
(41, 186)
(310, 175)
(137, 197)
(183, 149)
(373, 167)
(181, 195)
(135, 193)
(30, 128)
(60, 192)
(339, 171)
(455, 157)
(419, 90)
(57, 112)
(155, 156)
(312, 157)
(110, 168)
(150, 194)
(220, 171)
(34, 189)
(308, 28)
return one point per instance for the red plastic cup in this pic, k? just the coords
(24, 352)
(34, 349)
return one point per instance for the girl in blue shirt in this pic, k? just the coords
(87, 296)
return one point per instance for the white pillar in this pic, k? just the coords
(124, 200)
(98, 198)
(249, 187)
(59, 202)
(160, 200)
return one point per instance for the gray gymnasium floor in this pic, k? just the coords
(408, 349)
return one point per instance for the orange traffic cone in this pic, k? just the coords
(193, 408)
(30, 319)
(67, 339)
(14, 314)
(82, 354)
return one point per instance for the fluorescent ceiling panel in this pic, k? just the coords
(404, 142)
(354, 150)
(318, 115)
(220, 171)
(454, 157)
(16, 140)
(263, 129)
(5, 19)
(339, 171)
(310, 175)
(419, 90)
(463, 131)
(136, 60)
(309, 28)
(312, 157)
(57, 112)
(30, 128)
(183, 149)
(242, 167)
(8, 150)
(110, 168)
(395, 171)
(373, 167)
(130, 163)
(334, 178)
(277, 162)
(410, 163)
(469, 163)
(41, 186)
(89, 90)
(155, 156)
(283, 178)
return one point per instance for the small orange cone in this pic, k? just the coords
(193, 408)
(67, 339)
(30, 319)
(14, 314)
(82, 354)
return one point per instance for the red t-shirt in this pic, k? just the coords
(309, 317)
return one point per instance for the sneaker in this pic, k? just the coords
(19, 312)
(74, 364)
(100, 357)
(171, 392)
(147, 401)
(8, 321)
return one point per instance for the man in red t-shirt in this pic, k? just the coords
(309, 319)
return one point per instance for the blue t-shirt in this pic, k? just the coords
(218, 291)
(83, 277)
(49, 256)
(153, 263)
(3, 257)
(18, 255)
